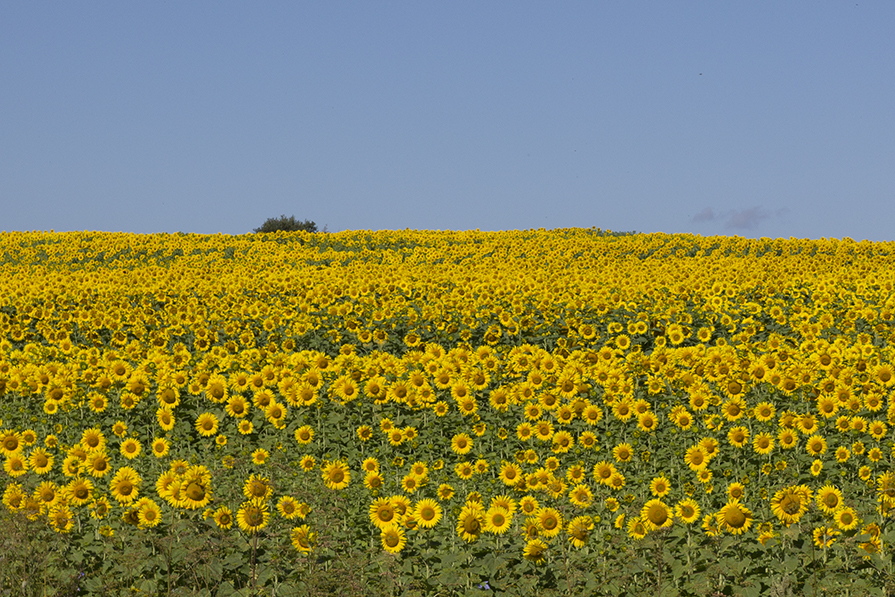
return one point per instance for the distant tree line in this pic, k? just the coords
(285, 224)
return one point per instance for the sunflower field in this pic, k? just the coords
(560, 412)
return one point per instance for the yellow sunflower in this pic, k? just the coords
(303, 538)
(829, 499)
(428, 513)
(497, 520)
(656, 515)
(734, 517)
(336, 475)
(125, 485)
(253, 515)
(688, 511)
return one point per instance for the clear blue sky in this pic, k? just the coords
(737, 118)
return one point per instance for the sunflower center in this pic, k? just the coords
(657, 515)
(195, 491)
(734, 517)
(790, 504)
(254, 517)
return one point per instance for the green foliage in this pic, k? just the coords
(284, 224)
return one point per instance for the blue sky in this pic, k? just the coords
(750, 118)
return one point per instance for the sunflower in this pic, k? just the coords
(579, 529)
(287, 506)
(373, 481)
(660, 486)
(257, 487)
(827, 406)
(464, 470)
(791, 503)
(842, 454)
(733, 408)
(165, 419)
(40, 461)
(763, 443)
(411, 483)
(637, 529)
(543, 430)
(364, 433)
(647, 422)
(687, 510)
(307, 463)
(535, 551)
(13, 496)
(738, 436)
(461, 444)
(160, 447)
(764, 411)
(563, 441)
(79, 492)
(276, 413)
(196, 488)
(97, 464)
(125, 485)
(829, 499)
(497, 520)
(656, 515)
(71, 465)
(237, 406)
(510, 474)
(207, 424)
(736, 491)
(550, 521)
(47, 493)
(622, 410)
(816, 445)
(428, 513)
(148, 514)
(383, 513)
(824, 536)
(816, 467)
(710, 446)
(885, 488)
(622, 452)
(223, 517)
(696, 458)
(846, 518)
(877, 429)
(119, 428)
(253, 515)
(445, 492)
(581, 496)
(61, 518)
(336, 475)
(734, 517)
(303, 538)
(787, 438)
(131, 448)
(806, 424)
(470, 522)
(93, 439)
